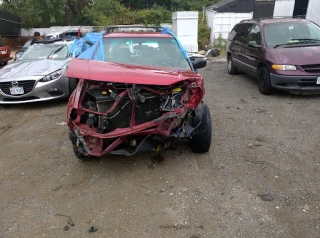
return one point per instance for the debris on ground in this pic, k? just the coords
(266, 197)
(92, 229)
(61, 123)
(254, 144)
(213, 52)
(162, 190)
(70, 222)
(306, 208)
(157, 158)
(65, 228)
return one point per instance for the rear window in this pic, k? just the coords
(2, 44)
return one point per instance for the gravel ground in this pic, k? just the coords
(260, 178)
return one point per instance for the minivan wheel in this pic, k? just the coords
(264, 81)
(230, 66)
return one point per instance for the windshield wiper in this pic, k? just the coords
(298, 41)
(290, 43)
(307, 39)
(56, 51)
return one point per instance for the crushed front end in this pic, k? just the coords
(123, 119)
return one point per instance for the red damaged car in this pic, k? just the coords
(4, 54)
(137, 92)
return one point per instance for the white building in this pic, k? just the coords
(305, 8)
(222, 16)
(185, 27)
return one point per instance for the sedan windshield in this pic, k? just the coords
(291, 34)
(145, 51)
(46, 51)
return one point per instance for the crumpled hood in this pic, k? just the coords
(31, 68)
(122, 73)
(294, 55)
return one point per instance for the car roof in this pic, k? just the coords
(60, 32)
(137, 35)
(54, 42)
(264, 21)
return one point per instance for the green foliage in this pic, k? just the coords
(220, 43)
(203, 33)
(45, 13)
(152, 16)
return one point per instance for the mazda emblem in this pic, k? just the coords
(14, 84)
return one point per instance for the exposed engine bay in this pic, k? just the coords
(123, 119)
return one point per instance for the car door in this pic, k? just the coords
(238, 45)
(251, 49)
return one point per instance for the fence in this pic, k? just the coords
(10, 25)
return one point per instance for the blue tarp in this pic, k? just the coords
(83, 44)
(96, 52)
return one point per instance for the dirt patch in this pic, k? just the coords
(260, 178)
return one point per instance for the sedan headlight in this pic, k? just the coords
(284, 67)
(52, 76)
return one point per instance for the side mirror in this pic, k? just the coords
(199, 63)
(253, 44)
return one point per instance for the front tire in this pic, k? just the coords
(80, 155)
(264, 81)
(230, 66)
(201, 142)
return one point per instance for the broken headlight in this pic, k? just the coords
(171, 101)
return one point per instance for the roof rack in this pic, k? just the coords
(274, 17)
(133, 28)
(48, 41)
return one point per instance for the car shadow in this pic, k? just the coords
(150, 160)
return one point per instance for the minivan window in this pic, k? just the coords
(254, 34)
(291, 33)
(242, 33)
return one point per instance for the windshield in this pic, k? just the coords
(47, 51)
(145, 51)
(291, 33)
(27, 44)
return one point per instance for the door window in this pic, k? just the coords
(242, 33)
(254, 34)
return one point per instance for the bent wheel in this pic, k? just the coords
(201, 142)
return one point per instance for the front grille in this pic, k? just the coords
(311, 68)
(149, 110)
(27, 86)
